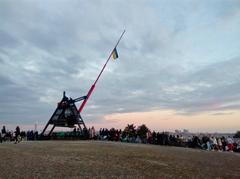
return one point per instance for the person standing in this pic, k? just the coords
(17, 135)
(224, 143)
(220, 145)
(4, 133)
(230, 144)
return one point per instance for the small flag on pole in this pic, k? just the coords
(115, 54)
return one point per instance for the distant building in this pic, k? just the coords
(177, 131)
(185, 131)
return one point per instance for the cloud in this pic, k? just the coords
(222, 113)
(168, 60)
(7, 41)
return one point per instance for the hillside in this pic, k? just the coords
(64, 159)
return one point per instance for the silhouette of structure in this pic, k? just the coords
(66, 115)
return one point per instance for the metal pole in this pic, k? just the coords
(93, 86)
(109, 58)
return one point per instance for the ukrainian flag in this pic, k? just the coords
(115, 54)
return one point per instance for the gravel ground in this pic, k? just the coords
(96, 159)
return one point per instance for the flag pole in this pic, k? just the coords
(95, 82)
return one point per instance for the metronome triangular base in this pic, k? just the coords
(66, 115)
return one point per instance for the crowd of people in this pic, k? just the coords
(17, 135)
(206, 142)
(134, 135)
(10, 135)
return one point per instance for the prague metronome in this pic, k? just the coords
(66, 113)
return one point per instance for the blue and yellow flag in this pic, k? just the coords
(115, 54)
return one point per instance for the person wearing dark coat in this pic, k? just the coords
(17, 135)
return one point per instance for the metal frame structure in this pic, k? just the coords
(66, 115)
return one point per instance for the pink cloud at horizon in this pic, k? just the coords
(161, 120)
(169, 120)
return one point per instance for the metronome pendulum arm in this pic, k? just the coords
(95, 82)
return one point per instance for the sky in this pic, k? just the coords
(178, 65)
